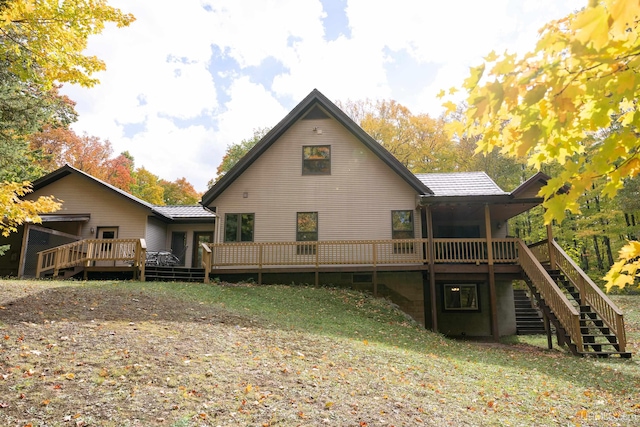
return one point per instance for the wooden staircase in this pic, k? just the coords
(528, 317)
(597, 338)
(584, 318)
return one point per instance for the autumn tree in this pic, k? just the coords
(55, 147)
(179, 192)
(17, 211)
(147, 187)
(44, 41)
(571, 101)
(25, 108)
(417, 141)
(235, 152)
(41, 45)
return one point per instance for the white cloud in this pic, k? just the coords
(159, 81)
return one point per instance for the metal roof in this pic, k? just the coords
(460, 184)
(184, 212)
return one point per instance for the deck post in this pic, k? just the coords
(493, 300)
(142, 259)
(552, 257)
(432, 272)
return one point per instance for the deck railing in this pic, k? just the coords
(591, 293)
(85, 252)
(356, 252)
(553, 296)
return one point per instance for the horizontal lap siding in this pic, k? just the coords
(156, 235)
(353, 203)
(107, 209)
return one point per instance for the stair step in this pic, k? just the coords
(622, 354)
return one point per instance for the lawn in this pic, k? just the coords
(174, 354)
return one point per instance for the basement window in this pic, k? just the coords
(461, 297)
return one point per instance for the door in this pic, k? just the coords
(105, 249)
(179, 245)
(200, 237)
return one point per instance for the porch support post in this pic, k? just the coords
(493, 300)
(552, 257)
(23, 251)
(432, 272)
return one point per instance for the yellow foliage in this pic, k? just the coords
(17, 211)
(573, 100)
(44, 39)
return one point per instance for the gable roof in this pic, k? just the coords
(314, 99)
(164, 212)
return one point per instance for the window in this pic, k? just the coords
(238, 228)
(462, 297)
(402, 228)
(307, 231)
(316, 160)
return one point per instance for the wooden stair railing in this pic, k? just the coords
(83, 252)
(554, 298)
(591, 294)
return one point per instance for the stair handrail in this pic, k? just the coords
(608, 311)
(553, 296)
(83, 252)
(54, 258)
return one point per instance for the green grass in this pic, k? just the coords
(192, 354)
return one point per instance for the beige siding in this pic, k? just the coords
(156, 235)
(107, 209)
(354, 202)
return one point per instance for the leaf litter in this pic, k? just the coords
(80, 354)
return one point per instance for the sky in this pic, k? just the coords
(189, 78)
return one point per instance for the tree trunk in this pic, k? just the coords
(584, 256)
(597, 251)
(607, 244)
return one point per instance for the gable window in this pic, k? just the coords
(402, 228)
(306, 231)
(316, 160)
(461, 297)
(238, 227)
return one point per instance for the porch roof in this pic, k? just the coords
(186, 212)
(462, 195)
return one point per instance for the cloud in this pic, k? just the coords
(186, 80)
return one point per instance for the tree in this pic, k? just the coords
(147, 187)
(179, 192)
(25, 108)
(235, 152)
(55, 147)
(418, 141)
(43, 40)
(571, 101)
(17, 211)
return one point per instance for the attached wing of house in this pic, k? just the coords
(94, 209)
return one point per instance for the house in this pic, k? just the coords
(94, 209)
(318, 200)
